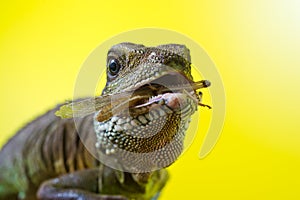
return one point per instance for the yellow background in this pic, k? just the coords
(254, 43)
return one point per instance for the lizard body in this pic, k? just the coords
(47, 159)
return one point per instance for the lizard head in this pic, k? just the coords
(130, 66)
(150, 135)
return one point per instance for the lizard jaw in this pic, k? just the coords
(170, 88)
(156, 89)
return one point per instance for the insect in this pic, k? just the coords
(122, 100)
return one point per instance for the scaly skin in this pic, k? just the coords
(47, 159)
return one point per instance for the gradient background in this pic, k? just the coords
(254, 43)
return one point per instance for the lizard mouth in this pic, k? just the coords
(170, 89)
(169, 85)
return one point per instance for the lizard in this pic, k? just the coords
(48, 158)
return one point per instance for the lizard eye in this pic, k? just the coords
(113, 67)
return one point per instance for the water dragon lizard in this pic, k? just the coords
(47, 159)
